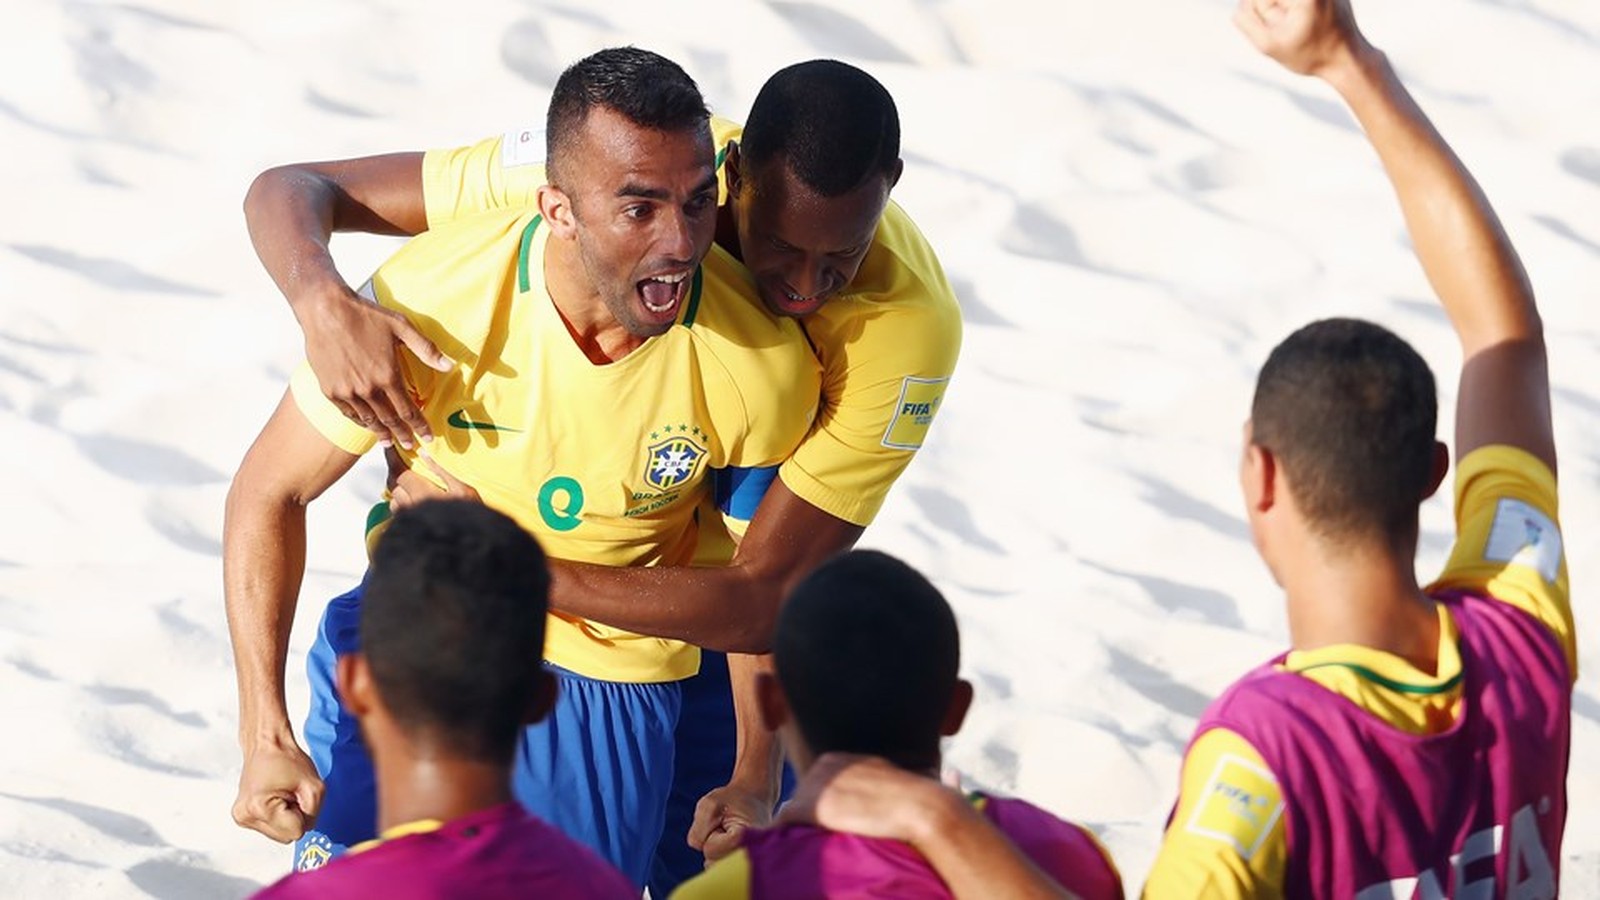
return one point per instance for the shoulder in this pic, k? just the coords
(467, 256)
(1065, 849)
(727, 321)
(900, 307)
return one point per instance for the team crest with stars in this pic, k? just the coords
(675, 457)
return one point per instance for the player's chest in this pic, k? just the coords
(586, 445)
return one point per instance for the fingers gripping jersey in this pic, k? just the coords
(604, 464)
(887, 344)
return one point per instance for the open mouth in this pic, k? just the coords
(661, 294)
(795, 304)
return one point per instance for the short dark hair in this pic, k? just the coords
(867, 654)
(1349, 409)
(452, 625)
(644, 87)
(834, 125)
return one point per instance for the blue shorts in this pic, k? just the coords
(706, 738)
(598, 767)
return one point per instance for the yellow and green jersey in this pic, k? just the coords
(602, 463)
(887, 344)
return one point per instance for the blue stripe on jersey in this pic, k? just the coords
(739, 491)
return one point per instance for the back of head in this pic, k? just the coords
(833, 124)
(867, 654)
(645, 88)
(452, 626)
(1349, 409)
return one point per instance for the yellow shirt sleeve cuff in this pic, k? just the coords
(325, 417)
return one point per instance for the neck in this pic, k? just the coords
(592, 326)
(416, 783)
(1363, 593)
(728, 230)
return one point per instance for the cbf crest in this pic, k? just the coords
(674, 460)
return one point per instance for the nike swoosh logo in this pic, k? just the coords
(458, 419)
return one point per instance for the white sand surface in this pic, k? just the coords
(1134, 206)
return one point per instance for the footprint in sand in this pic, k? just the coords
(121, 826)
(973, 310)
(181, 877)
(840, 34)
(1583, 162)
(147, 463)
(1562, 229)
(112, 273)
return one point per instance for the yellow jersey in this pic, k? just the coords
(1215, 848)
(602, 463)
(887, 344)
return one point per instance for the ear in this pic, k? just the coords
(1258, 473)
(731, 171)
(1441, 468)
(556, 207)
(894, 175)
(956, 713)
(770, 701)
(543, 698)
(353, 678)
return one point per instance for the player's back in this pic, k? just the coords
(500, 853)
(1373, 809)
(793, 862)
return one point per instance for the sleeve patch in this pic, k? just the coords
(522, 147)
(1239, 805)
(1523, 535)
(919, 400)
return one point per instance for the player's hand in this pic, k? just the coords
(722, 816)
(354, 348)
(864, 795)
(279, 793)
(1304, 36)
(408, 487)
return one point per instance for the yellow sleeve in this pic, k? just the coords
(1227, 837)
(1508, 539)
(325, 417)
(498, 172)
(888, 351)
(726, 879)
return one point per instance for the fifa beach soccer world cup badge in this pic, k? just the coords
(675, 459)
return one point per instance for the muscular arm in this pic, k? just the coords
(291, 212)
(263, 559)
(1469, 260)
(1505, 386)
(732, 608)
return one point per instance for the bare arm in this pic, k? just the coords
(263, 560)
(747, 800)
(1505, 390)
(291, 212)
(732, 608)
(870, 797)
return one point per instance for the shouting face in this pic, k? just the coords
(641, 205)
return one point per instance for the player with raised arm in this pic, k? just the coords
(1414, 740)
(807, 211)
(609, 360)
(452, 634)
(866, 658)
